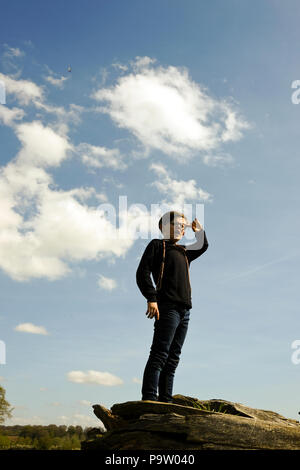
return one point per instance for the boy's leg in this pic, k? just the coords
(164, 331)
(166, 377)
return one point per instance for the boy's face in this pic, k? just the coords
(175, 230)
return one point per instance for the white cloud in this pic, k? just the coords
(20, 407)
(51, 227)
(58, 82)
(178, 192)
(11, 59)
(119, 66)
(31, 328)
(78, 419)
(111, 181)
(142, 62)
(136, 380)
(85, 402)
(28, 93)
(233, 127)
(43, 228)
(94, 377)
(99, 157)
(106, 283)
(25, 91)
(23, 421)
(12, 52)
(9, 115)
(103, 74)
(41, 145)
(166, 110)
(218, 160)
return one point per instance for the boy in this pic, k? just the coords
(170, 302)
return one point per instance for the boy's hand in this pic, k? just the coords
(196, 226)
(152, 310)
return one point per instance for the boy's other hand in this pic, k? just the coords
(152, 310)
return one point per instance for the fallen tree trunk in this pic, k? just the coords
(191, 424)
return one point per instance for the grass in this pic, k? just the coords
(221, 408)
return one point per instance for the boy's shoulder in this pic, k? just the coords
(159, 241)
(155, 242)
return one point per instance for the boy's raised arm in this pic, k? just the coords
(196, 249)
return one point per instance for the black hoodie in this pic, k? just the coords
(175, 286)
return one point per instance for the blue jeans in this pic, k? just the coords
(169, 335)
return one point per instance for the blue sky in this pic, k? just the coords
(167, 102)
